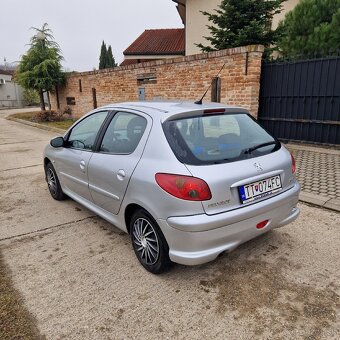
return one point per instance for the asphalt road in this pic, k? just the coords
(80, 279)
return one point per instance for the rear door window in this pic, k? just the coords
(217, 139)
(123, 133)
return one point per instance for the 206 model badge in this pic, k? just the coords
(258, 167)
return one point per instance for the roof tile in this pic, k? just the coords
(169, 41)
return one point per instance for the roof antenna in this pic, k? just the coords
(199, 102)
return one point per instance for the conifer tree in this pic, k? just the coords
(40, 68)
(242, 22)
(110, 59)
(103, 56)
(311, 28)
(106, 59)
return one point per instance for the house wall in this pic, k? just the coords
(180, 78)
(11, 94)
(287, 6)
(196, 24)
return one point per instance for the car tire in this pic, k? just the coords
(149, 243)
(53, 183)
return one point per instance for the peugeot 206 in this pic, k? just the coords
(187, 181)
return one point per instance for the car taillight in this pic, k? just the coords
(184, 187)
(293, 163)
(213, 111)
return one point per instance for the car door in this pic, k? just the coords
(119, 151)
(73, 160)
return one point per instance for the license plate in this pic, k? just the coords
(256, 190)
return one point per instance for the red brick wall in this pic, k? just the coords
(180, 78)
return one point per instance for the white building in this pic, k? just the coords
(11, 94)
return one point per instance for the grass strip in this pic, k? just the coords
(29, 116)
(15, 320)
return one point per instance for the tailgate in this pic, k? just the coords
(245, 182)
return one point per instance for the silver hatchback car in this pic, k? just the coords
(186, 181)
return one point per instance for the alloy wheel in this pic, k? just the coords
(51, 181)
(146, 241)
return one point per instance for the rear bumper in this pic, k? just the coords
(201, 238)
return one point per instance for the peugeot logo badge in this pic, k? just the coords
(258, 167)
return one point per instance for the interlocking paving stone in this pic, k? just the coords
(318, 171)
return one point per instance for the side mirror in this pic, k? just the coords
(57, 142)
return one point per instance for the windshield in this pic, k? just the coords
(214, 139)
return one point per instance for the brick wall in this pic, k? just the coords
(180, 78)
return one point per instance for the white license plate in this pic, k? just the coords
(259, 189)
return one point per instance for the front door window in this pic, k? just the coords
(84, 134)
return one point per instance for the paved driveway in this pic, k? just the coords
(80, 279)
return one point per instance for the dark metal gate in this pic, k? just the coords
(300, 100)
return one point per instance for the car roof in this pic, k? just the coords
(166, 109)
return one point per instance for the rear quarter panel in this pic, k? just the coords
(143, 188)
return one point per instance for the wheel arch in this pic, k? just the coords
(46, 161)
(129, 211)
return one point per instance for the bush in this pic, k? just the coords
(53, 116)
(47, 116)
(31, 97)
(67, 111)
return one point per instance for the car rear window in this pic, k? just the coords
(214, 139)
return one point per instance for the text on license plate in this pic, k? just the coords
(259, 189)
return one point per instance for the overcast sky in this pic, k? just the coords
(79, 26)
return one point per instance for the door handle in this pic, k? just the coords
(121, 175)
(82, 166)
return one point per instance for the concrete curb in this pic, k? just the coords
(319, 200)
(307, 197)
(37, 125)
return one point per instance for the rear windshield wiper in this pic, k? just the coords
(262, 145)
(221, 161)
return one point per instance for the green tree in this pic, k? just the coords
(242, 22)
(31, 97)
(312, 27)
(40, 68)
(106, 59)
(103, 56)
(110, 58)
